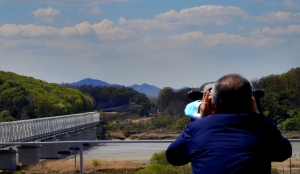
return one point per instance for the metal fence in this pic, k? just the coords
(80, 145)
(287, 169)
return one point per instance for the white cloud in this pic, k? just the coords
(278, 16)
(291, 29)
(223, 38)
(291, 4)
(142, 24)
(46, 14)
(81, 29)
(67, 2)
(96, 10)
(275, 17)
(187, 37)
(196, 16)
(28, 30)
(241, 28)
(91, 10)
(105, 30)
(211, 40)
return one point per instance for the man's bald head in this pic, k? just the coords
(232, 94)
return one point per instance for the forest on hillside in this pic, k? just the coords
(280, 103)
(282, 98)
(23, 97)
(106, 97)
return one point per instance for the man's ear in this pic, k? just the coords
(213, 107)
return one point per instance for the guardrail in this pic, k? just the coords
(27, 130)
(80, 144)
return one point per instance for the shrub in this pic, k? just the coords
(160, 165)
(95, 162)
(274, 171)
(159, 169)
(159, 158)
(181, 123)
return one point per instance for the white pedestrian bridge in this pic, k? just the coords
(41, 128)
(16, 136)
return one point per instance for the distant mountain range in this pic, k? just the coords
(148, 90)
(93, 82)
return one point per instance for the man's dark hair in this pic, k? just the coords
(232, 94)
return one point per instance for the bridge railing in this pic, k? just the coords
(27, 130)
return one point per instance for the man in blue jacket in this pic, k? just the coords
(231, 136)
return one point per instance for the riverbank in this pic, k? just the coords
(115, 158)
(90, 166)
(164, 134)
(116, 167)
(158, 134)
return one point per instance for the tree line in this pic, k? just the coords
(282, 98)
(23, 97)
(280, 103)
(113, 96)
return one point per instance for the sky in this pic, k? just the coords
(165, 43)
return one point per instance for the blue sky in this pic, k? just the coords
(170, 43)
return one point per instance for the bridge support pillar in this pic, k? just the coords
(85, 136)
(99, 129)
(8, 159)
(84, 133)
(75, 136)
(93, 133)
(64, 148)
(49, 151)
(29, 154)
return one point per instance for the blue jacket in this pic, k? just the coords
(230, 143)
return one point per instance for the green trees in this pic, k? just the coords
(113, 96)
(5, 116)
(292, 123)
(282, 97)
(173, 103)
(160, 165)
(280, 103)
(24, 97)
(181, 123)
(171, 106)
(164, 97)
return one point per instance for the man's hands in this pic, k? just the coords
(205, 107)
(254, 106)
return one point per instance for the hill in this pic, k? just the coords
(109, 98)
(282, 98)
(23, 97)
(94, 82)
(149, 90)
